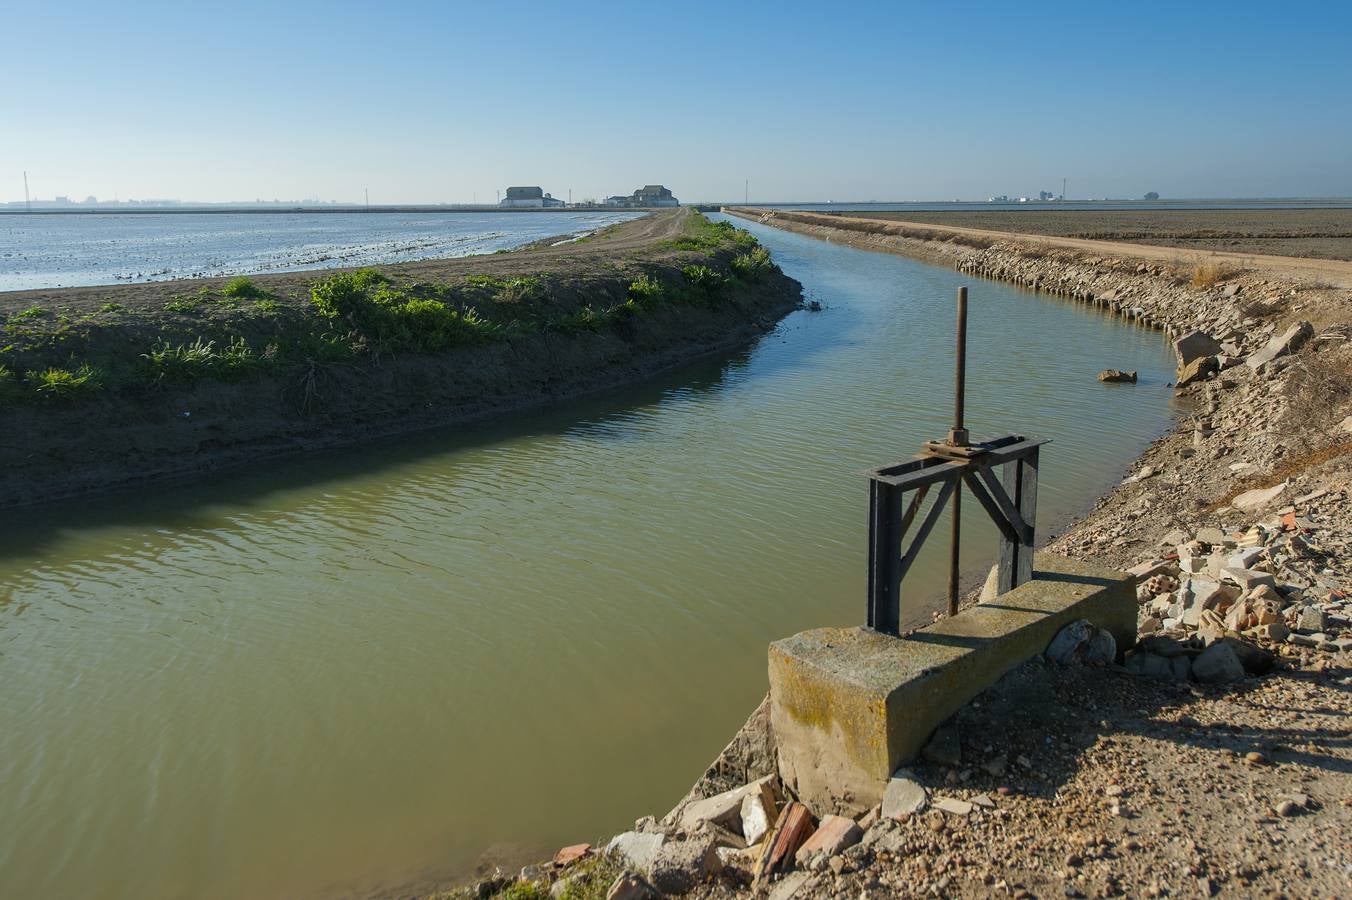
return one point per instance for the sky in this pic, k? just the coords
(429, 102)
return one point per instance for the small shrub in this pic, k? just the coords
(31, 313)
(266, 306)
(345, 296)
(181, 304)
(63, 384)
(111, 308)
(242, 288)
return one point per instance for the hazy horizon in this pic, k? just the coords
(449, 103)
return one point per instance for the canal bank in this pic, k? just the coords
(121, 385)
(1099, 776)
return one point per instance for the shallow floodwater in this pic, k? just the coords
(74, 249)
(372, 667)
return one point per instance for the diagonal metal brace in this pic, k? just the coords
(992, 508)
(1023, 532)
(927, 525)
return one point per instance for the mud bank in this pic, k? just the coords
(1108, 781)
(181, 423)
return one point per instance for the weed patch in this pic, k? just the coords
(64, 384)
(752, 266)
(242, 288)
(200, 359)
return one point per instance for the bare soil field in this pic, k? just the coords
(1313, 233)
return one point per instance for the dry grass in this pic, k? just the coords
(1209, 274)
(1294, 465)
(1319, 394)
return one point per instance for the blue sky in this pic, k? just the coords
(444, 101)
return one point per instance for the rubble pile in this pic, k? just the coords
(1215, 597)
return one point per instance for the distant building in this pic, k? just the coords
(528, 198)
(648, 195)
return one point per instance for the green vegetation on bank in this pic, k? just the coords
(240, 329)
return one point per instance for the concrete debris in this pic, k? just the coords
(1288, 341)
(1195, 345)
(903, 796)
(637, 847)
(1258, 498)
(833, 835)
(680, 865)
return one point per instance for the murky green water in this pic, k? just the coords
(330, 675)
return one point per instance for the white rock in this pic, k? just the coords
(954, 806)
(759, 812)
(1217, 664)
(639, 847)
(1287, 342)
(1257, 498)
(903, 795)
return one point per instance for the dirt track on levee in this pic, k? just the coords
(927, 226)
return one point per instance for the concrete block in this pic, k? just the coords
(848, 706)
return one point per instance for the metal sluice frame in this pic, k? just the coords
(1010, 500)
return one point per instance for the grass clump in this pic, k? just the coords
(31, 313)
(242, 288)
(266, 306)
(189, 362)
(646, 291)
(111, 308)
(752, 266)
(704, 280)
(392, 320)
(181, 304)
(65, 384)
(1208, 274)
(704, 235)
(523, 288)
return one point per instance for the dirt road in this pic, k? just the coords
(1324, 271)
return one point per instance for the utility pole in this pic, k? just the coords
(27, 203)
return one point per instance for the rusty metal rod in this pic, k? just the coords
(958, 436)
